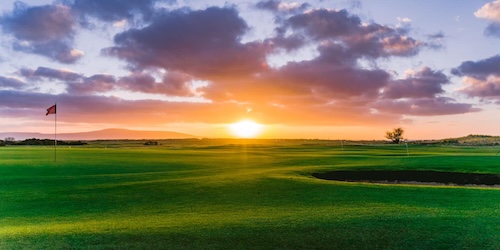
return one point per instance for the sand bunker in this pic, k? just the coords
(412, 177)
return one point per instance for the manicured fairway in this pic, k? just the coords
(231, 195)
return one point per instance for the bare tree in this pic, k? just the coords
(396, 135)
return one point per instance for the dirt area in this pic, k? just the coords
(413, 177)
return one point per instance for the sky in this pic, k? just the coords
(316, 69)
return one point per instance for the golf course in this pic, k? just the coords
(243, 194)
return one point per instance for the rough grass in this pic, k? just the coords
(241, 195)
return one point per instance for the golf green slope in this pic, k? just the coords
(247, 196)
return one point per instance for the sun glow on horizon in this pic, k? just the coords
(245, 129)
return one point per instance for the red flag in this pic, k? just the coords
(51, 110)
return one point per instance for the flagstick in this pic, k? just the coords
(55, 134)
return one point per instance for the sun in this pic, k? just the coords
(245, 129)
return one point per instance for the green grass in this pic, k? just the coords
(241, 195)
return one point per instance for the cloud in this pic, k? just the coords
(279, 6)
(175, 49)
(490, 11)
(420, 94)
(202, 43)
(49, 30)
(437, 35)
(173, 84)
(49, 73)
(483, 88)
(367, 40)
(436, 40)
(322, 24)
(334, 74)
(425, 107)
(46, 30)
(481, 78)
(178, 84)
(59, 51)
(114, 10)
(11, 83)
(493, 29)
(76, 84)
(425, 83)
(99, 83)
(480, 69)
(404, 19)
(113, 110)
(101, 109)
(39, 23)
(271, 5)
(403, 23)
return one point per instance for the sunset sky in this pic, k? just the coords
(315, 69)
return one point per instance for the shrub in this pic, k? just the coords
(151, 143)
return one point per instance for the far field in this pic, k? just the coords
(246, 194)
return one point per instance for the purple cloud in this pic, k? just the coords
(59, 51)
(95, 84)
(334, 74)
(204, 43)
(39, 23)
(488, 88)
(491, 12)
(438, 35)
(11, 83)
(364, 40)
(493, 29)
(173, 84)
(46, 30)
(425, 83)
(481, 78)
(425, 107)
(76, 84)
(419, 94)
(114, 10)
(324, 24)
(44, 72)
(480, 69)
(279, 6)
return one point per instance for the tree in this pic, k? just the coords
(9, 141)
(396, 135)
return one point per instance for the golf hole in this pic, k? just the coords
(412, 177)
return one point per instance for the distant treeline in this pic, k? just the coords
(479, 136)
(42, 142)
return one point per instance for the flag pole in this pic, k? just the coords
(55, 133)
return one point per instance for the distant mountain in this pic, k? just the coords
(105, 134)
